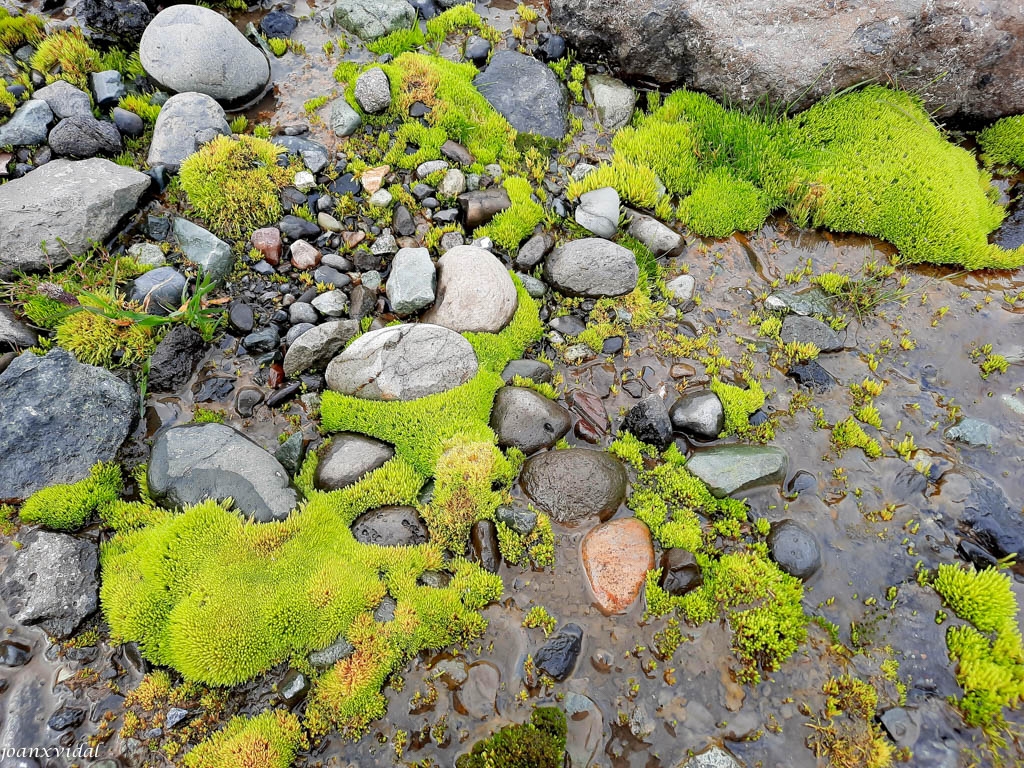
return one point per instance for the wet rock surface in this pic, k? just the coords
(526, 93)
(349, 457)
(736, 468)
(527, 420)
(617, 556)
(552, 481)
(391, 527)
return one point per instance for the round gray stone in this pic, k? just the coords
(698, 414)
(592, 267)
(575, 483)
(474, 292)
(794, 549)
(390, 527)
(598, 211)
(349, 457)
(373, 91)
(64, 99)
(186, 122)
(527, 420)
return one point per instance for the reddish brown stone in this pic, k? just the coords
(617, 556)
(304, 255)
(352, 239)
(373, 178)
(268, 242)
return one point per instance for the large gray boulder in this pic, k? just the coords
(59, 418)
(592, 267)
(67, 205)
(526, 92)
(403, 362)
(186, 122)
(370, 19)
(961, 56)
(474, 292)
(191, 48)
(51, 582)
(195, 462)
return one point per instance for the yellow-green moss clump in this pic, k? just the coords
(68, 52)
(738, 403)
(96, 339)
(234, 183)
(513, 225)
(1002, 143)
(988, 651)
(268, 740)
(16, 31)
(66, 507)
(849, 434)
(539, 743)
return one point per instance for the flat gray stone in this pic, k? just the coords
(598, 211)
(613, 100)
(314, 349)
(370, 19)
(474, 292)
(349, 457)
(527, 420)
(974, 432)
(67, 205)
(526, 92)
(331, 304)
(13, 333)
(344, 120)
(730, 469)
(28, 126)
(592, 268)
(188, 48)
(574, 484)
(390, 527)
(204, 249)
(712, 757)
(412, 282)
(186, 122)
(195, 462)
(811, 302)
(403, 362)
(810, 330)
(64, 99)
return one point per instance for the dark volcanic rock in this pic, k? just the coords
(679, 572)
(175, 358)
(484, 540)
(115, 21)
(991, 520)
(648, 421)
(527, 420)
(794, 548)
(557, 657)
(575, 483)
(390, 527)
(526, 92)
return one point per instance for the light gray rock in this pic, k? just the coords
(159, 291)
(332, 654)
(533, 250)
(699, 414)
(613, 99)
(474, 292)
(147, 254)
(412, 281)
(13, 333)
(370, 19)
(204, 249)
(59, 418)
(712, 757)
(313, 349)
(575, 483)
(652, 233)
(526, 92)
(28, 126)
(598, 211)
(64, 99)
(592, 267)
(974, 432)
(348, 458)
(527, 420)
(533, 286)
(373, 91)
(188, 48)
(681, 288)
(431, 166)
(186, 122)
(195, 462)
(403, 362)
(302, 312)
(331, 304)
(730, 469)
(344, 120)
(453, 184)
(66, 204)
(84, 136)
(810, 330)
(51, 582)
(812, 302)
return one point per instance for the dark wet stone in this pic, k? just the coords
(346, 184)
(612, 346)
(804, 481)
(992, 521)
(794, 549)
(349, 457)
(331, 276)
(977, 556)
(908, 484)
(403, 223)
(484, 541)
(264, 340)
(527, 420)
(575, 483)
(175, 358)
(14, 654)
(457, 153)
(128, 123)
(278, 24)
(120, 22)
(649, 422)
(332, 654)
(390, 527)
(385, 612)
(293, 687)
(680, 573)
(213, 389)
(527, 369)
(520, 520)
(557, 657)
(160, 291)
(810, 330)
(291, 453)
(284, 394)
(698, 414)
(568, 325)
(66, 717)
(477, 50)
(550, 48)
(240, 317)
(297, 228)
(425, 8)
(811, 375)
(481, 205)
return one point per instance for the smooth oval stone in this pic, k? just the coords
(390, 527)
(698, 414)
(617, 556)
(527, 420)
(575, 483)
(349, 457)
(592, 268)
(795, 549)
(474, 292)
(734, 468)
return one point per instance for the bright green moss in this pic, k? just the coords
(66, 507)
(278, 46)
(234, 184)
(721, 204)
(428, 141)
(16, 31)
(537, 744)
(96, 339)
(496, 350)
(513, 225)
(460, 17)
(69, 51)
(398, 42)
(1002, 143)
(738, 404)
(849, 434)
(636, 184)
(268, 740)
(141, 106)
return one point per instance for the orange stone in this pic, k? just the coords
(617, 556)
(373, 178)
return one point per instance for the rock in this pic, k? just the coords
(382, 199)
(527, 93)
(107, 88)
(28, 126)
(902, 725)
(373, 91)
(477, 696)
(160, 291)
(186, 122)
(533, 250)
(457, 153)
(640, 723)
(195, 462)
(344, 120)
(403, 362)
(712, 757)
(13, 333)
(474, 292)
(585, 728)
(65, 718)
(304, 256)
(527, 420)
(483, 539)
(363, 302)
(730, 469)
(370, 19)
(119, 22)
(64, 100)
(59, 418)
(680, 572)
(147, 254)
(659, 238)
(613, 99)
(390, 527)
(385, 244)
(403, 222)
(431, 166)
(973, 432)
(520, 520)
(410, 286)
(557, 657)
(296, 228)
(240, 317)
(268, 242)
(188, 48)
(551, 48)
(332, 654)
(453, 184)
(175, 358)
(278, 24)
(617, 556)
(575, 483)
(294, 685)
(811, 375)
(965, 60)
(811, 302)
(598, 211)
(989, 518)
(528, 369)
(14, 654)
(794, 549)
(314, 349)
(262, 341)
(51, 582)
(72, 203)
(476, 50)
(349, 457)
(698, 414)
(291, 452)
(301, 313)
(331, 304)
(810, 330)
(204, 249)
(681, 288)
(480, 206)
(592, 267)
(536, 288)
(313, 154)
(649, 422)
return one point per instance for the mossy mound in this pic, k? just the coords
(268, 740)
(66, 55)
(1002, 143)
(66, 507)
(16, 31)
(539, 743)
(234, 183)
